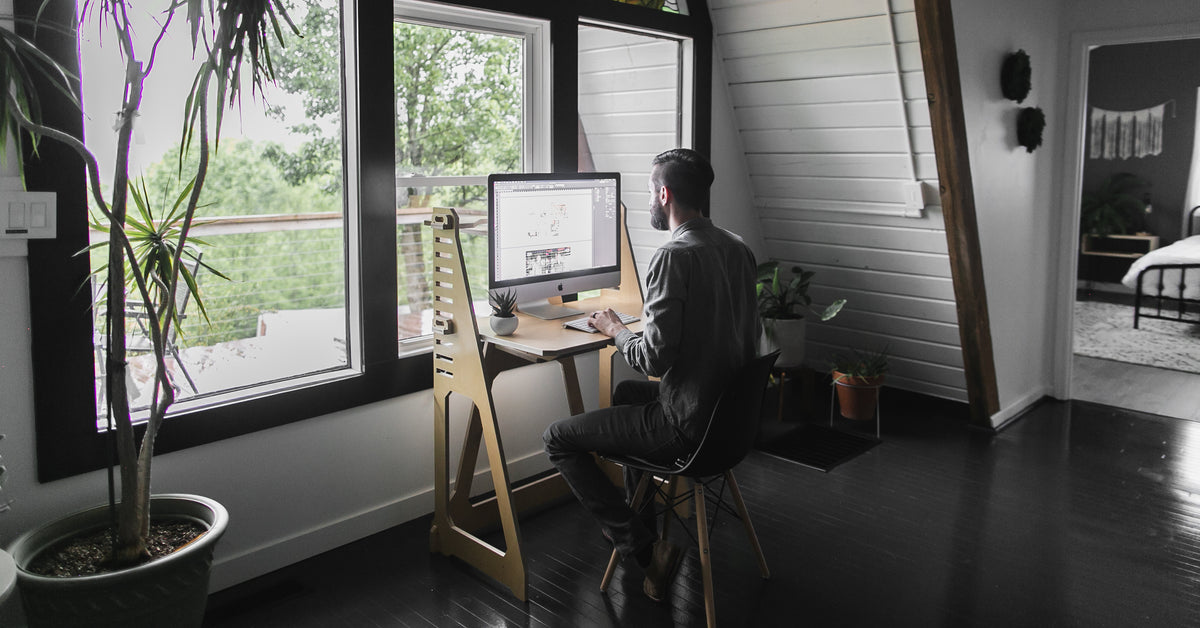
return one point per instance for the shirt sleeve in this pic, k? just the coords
(655, 350)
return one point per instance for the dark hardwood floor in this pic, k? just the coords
(1076, 515)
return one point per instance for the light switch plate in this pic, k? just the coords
(28, 215)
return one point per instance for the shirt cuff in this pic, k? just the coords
(622, 338)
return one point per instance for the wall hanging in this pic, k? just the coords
(1125, 134)
(1030, 124)
(1015, 76)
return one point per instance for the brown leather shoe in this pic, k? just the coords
(662, 568)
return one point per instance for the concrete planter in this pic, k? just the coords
(169, 591)
(503, 325)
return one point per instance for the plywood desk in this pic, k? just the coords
(467, 358)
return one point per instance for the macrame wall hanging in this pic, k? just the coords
(1126, 134)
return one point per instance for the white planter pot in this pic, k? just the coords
(787, 335)
(169, 591)
(503, 325)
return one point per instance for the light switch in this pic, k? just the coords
(16, 216)
(37, 215)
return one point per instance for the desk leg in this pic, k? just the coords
(571, 384)
(456, 519)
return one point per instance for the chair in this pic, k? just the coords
(728, 438)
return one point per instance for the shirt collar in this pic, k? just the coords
(695, 223)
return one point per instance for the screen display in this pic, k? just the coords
(549, 226)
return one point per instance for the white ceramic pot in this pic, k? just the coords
(503, 325)
(786, 335)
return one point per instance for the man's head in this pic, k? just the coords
(686, 175)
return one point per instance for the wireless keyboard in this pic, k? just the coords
(582, 324)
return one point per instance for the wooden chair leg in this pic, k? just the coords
(616, 556)
(745, 515)
(710, 612)
(608, 573)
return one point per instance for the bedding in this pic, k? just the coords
(1186, 251)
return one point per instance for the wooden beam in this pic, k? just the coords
(939, 55)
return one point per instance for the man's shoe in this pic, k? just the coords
(662, 568)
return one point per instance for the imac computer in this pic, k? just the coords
(553, 235)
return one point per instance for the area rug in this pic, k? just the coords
(817, 446)
(1105, 330)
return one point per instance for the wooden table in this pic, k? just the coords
(467, 357)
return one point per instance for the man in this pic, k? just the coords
(700, 325)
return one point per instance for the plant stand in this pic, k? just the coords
(833, 404)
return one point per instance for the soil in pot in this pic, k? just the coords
(87, 554)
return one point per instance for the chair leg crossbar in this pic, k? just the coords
(665, 492)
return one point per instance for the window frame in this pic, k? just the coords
(67, 442)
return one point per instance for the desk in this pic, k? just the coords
(467, 358)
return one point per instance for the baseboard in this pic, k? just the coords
(279, 553)
(1013, 411)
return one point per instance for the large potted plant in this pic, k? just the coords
(783, 304)
(147, 262)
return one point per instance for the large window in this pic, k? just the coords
(270, 231)
(315, 208)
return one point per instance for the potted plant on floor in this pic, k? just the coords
(857, 377)
(231, 41)
(783, 304)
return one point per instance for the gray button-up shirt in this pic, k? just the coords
(701, 320)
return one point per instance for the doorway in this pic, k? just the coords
(1091, 285)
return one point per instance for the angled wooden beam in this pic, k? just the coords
(939, 56)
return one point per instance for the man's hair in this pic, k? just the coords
(687, 174)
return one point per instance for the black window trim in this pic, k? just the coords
(61, 343)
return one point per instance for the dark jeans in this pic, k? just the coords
(635, 425)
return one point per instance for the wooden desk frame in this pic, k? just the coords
(466, 360)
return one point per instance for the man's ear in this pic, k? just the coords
(665, 196)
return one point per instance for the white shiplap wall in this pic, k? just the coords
(834, 125)
(629, 108)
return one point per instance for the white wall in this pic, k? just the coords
(828, 97)
(1015, 193)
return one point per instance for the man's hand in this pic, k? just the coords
(606, 322)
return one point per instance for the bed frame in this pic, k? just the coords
(1159, 306)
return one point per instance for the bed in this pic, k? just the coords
(1166, 281)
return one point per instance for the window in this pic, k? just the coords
(634, 102)
(271, 215)
(340, 255)
(470, 101)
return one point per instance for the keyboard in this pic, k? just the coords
(582, 324)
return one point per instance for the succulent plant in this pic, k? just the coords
(504, 304)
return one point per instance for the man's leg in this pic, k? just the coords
(636, 392)
(636, 430)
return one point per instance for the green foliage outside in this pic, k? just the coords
(458, 96)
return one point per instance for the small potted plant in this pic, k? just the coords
(782, 304)
(857, 377)
(504, 312)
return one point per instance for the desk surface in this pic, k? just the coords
(549, 339)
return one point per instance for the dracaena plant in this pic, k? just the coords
(232, 42)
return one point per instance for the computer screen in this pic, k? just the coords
(553, 235)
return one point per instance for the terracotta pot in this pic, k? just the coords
(857, 396)
(503, 325)
(169, 591)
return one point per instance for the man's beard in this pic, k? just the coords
(658, 216)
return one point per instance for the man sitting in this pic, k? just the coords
(701, 325)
